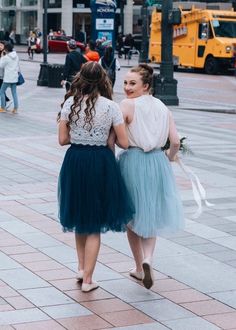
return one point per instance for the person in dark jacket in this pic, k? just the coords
(73, 63)
(110, 64)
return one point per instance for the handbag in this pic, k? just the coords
(21, 79)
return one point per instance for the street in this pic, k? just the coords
(195, 269)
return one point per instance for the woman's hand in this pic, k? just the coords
(171, 159)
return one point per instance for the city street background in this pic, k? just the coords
(195, 269)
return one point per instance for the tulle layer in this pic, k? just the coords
(150, 181)
(91, 192)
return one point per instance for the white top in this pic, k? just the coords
(10, 64)
(149, 128)
(107, 115)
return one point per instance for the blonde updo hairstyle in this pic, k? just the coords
(146, 73)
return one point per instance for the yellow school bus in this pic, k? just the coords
(205, 39)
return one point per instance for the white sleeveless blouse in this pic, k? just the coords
(149, 128)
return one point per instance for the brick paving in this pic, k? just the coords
(195, 286)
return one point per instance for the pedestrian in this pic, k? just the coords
(147, 169)
(128, 45)
(10, 64)
(92, 194)
(32, 41)
(12, 36)
(120, 45)
(90, 53)
(2, 53)
(73, 63)
(80, 35)
(110, 64)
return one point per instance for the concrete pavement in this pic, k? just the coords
(195, 270)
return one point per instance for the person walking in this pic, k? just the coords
(92, 195)
(110, 64)
(128, 45)
(74, 61)
(90, 53)
(2, 53)
(147, 170)
(32, 41)
(10, 64)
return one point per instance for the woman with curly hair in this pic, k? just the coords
(92, 196)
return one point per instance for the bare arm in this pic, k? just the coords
(174, 140)
(63, 133)
(121, 136)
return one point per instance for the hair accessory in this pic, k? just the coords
(89, 80)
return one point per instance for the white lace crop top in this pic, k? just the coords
(107, 115)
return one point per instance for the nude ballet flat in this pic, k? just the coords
(148, 274)
(87, 287)
(137, 275)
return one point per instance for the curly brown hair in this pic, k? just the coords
(88, 84)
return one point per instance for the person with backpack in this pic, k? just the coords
(74, 61)
(110, 64)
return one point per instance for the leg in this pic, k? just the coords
(92, 247)
(15, 98)
(3, 90)
(80, 241)
(148, 245)
(136, 248)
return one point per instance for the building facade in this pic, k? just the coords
(23, 16)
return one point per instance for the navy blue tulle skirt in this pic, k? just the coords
(92, 195)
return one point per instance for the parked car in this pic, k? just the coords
(59, 44)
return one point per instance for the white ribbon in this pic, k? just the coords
(199, 193)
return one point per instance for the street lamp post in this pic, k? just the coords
(164, 85)
(143, 57)
(43, 74)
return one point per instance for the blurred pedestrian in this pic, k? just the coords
(10, 64)
(32, 44)
(90, 53)
(2, 53)
(128, 45)
(80, 35)
(110, 64)
(92, 194)
(147, 169)
(73, 63)
(120, 45)
(12, 37)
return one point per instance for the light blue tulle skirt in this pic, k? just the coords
(151, 183)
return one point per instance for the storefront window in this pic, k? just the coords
(29, 2)
(8, 3)
(28, 23)
(54, 3)
(7, 23)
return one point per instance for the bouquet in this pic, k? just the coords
(184, 148)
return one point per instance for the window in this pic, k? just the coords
(81, 3)
(8, 3)
(29, 2)
(54, 3)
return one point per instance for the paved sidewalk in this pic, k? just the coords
(195, 270)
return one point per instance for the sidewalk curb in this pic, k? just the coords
(228, 111)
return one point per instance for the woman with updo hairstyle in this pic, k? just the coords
(91, 192)
(147, 170)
